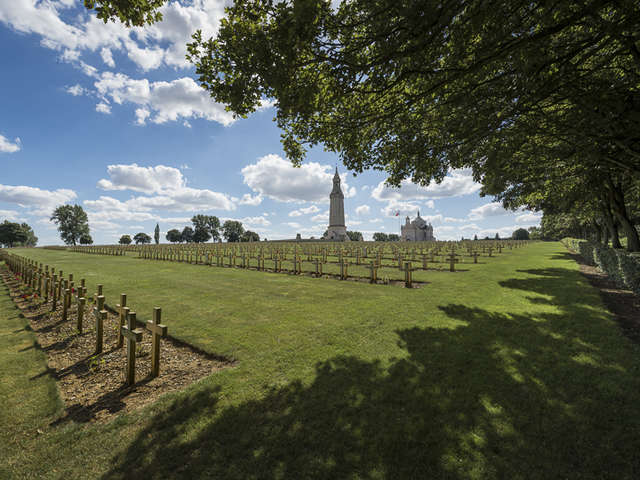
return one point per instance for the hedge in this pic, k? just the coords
(622, 267)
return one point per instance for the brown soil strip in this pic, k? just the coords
(93, 386)
(624, 305)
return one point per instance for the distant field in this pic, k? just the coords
(512, 369)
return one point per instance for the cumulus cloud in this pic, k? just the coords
(76, 90)
(44, 201)
(156, 179)
(161, 101)
(107, 57)
(321, 218)
(293, 225)
(276, 178)
(8, 215)
(6, 146)
(529, 217)
(304, 211)
(492, 209)
(456, 183)
(252, 201)
(255, 221)
(363, 210)
(103, 108)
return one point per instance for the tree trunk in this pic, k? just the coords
(610, 224)
(619, 210)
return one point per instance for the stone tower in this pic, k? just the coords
(337, 229)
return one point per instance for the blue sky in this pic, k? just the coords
(111, 119)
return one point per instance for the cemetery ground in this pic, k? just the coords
(514, 369)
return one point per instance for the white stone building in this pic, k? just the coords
(417, 231)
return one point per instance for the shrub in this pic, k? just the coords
(622, 267)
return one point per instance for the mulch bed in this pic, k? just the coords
(92, 386)
(623, 304)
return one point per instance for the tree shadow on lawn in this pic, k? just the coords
(500, 396)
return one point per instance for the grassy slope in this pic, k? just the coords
(511, 370)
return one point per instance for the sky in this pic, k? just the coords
(112, 119)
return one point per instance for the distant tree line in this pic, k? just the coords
(17, 235)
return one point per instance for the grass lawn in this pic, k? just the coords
(513, 369)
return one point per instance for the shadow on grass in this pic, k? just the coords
(501, 396)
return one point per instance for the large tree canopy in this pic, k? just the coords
(72, 223)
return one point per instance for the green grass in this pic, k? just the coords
(513, 369)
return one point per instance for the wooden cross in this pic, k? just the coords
(318, 266)
(475, 257)
(54, 288)
(65, 303)
(452, 261)
(157, 330)
(373, 268)
(408, 281)
(120, 307)
(133, 335)
(343, 268)
(81, 303)
(100, 315)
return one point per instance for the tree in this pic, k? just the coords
(209, 223)
(86, 239)
(174, 235)
(187, 234)
(11, 234)
(355, 236)
(27, 238)
(125, 240)
(497, 237)
(141, 238)
(475, 237)
(520, 234)
(201, 235)
(535, 233)
(232, 230)
(156, 234)
(380, 237)
(249, 236)
(394, 237)
(72, 223)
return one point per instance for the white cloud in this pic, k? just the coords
(76, 90)
(162, 101)
(492, 209)
(10, 215)
(304, 211)
(363, 210)
(278, 179)
(33, 197)
(103, 108)
(321, 218)
(395, 208)
(456, 183)
(6, 146)
(252, 221)
(529, 217)
(158, 179)
(107, 57)
(430, 204)
(293, 225)
(252, 201)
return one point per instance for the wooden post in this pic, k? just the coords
(54, 287)
(100, 315)
(65, 304)
(157, 330)
(374, 272)
(132, 335)
(120, 307)
(81, 303)
(407, 275)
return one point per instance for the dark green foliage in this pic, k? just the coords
(174, 236)
(141, 238)
(129, 12)
(355, 236)
(201, 235)
(72, 223)
(206, 223)
(11, 234)
(393, 237)
(156, 234)
(125, 240)
(520, 234)
(232, 231)
(86, 239)
(622, 267)
(535, 233)
(249, 236)
(187, 235)
(380, 237)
